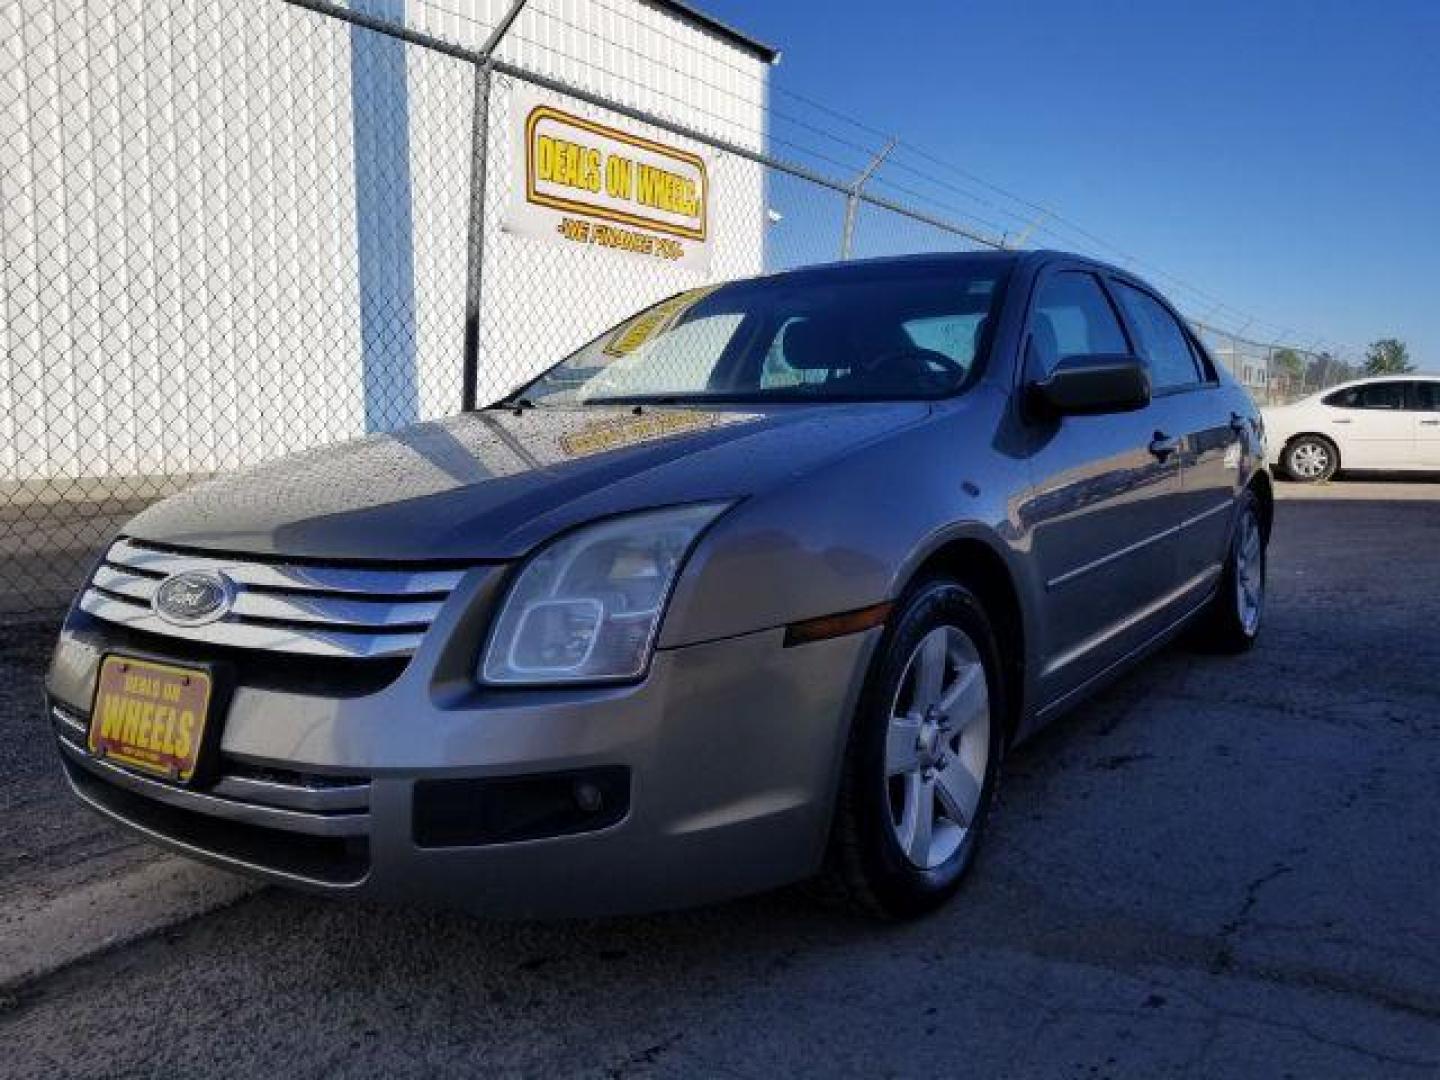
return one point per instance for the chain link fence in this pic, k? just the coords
(1274, 374)
(235, 231)
(208, 258)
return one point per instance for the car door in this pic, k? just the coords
(1371, 425)
(1425, 396)
(1189, 406)
(1103, 503)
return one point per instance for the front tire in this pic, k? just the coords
(1311, 459)
(923, 758)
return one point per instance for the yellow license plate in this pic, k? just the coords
(150, 716)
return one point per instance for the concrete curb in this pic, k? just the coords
(38, 935)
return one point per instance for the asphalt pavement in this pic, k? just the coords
(1220, 867)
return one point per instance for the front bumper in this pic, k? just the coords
(731, 750)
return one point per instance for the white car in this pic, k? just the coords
(1386, 423)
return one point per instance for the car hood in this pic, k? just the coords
(493, 484)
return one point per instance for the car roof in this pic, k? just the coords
(1365, 380)
(1407, 376)
(937, 261)
(929, 260)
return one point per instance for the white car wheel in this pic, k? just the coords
(1310, 459)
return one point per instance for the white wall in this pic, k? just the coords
(152, 192)
(183, 264)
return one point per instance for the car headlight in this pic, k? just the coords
(587, 606)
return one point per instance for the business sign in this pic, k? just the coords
(583, 183)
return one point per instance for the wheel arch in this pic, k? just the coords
(980, 567)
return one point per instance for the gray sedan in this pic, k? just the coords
(762, 585)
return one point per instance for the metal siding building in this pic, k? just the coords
(228, 227)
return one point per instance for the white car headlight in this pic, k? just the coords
(587, 606)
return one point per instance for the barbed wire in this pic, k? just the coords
(1024, 214)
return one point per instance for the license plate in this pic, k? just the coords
(150, 716)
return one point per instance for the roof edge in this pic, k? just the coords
(766, 52)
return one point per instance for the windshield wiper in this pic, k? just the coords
(512, 401)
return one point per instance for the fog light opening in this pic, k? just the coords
(588, 797)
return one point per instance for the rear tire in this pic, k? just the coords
(1311, 459)
(1232, 621)
(922, 763)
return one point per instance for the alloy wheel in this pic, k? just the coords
(1310, 460)
(938, 746)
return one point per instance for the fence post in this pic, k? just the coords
(475, 247)
(852, 198)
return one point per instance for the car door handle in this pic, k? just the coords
(1340, 420)
(1162, 445)
(1430, 423)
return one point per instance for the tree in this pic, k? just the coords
(1388, 356)
(1288, 363)
(1327, 369)
(1322, 370)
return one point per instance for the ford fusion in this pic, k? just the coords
(760, 586)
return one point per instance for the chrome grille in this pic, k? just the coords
(280, 607)
(274, 798)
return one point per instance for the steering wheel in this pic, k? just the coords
(913, 361)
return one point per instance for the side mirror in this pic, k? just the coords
(1088, 385)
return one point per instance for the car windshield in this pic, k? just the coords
(900, 332)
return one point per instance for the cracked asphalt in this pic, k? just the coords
(1220, 867)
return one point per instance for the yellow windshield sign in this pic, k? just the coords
(657, 320)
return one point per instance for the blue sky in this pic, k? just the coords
(1283, 156)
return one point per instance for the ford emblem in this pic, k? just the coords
(193, 597)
